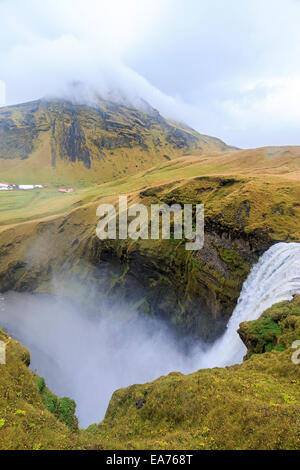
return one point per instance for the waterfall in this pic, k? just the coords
(275, 278)
(89, 358)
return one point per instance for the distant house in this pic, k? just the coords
(26, 186)
(29, 186)
(5, 187)
(63, 190)
(8, 186)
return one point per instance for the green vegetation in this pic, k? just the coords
(276, 329)
(62, 408)
(25, 419)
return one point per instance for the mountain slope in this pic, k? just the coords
(58, 141)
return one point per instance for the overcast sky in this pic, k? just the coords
(229, 68)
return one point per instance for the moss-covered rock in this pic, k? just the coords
(31, 417)
(276, 329)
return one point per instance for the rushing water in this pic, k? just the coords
(276, 277)
(88, 358)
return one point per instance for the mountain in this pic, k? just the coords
(57, 141)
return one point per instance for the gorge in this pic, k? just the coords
(88, 357)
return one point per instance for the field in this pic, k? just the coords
(268, 178)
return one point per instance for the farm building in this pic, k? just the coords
(63, 190)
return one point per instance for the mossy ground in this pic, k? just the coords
(276, 329)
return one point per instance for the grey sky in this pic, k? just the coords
(228, 68)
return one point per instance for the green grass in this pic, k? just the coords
(276, 329)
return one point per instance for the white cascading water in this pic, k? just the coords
(275, 278)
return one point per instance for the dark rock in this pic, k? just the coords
(139, 404)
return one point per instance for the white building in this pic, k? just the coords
(5, 187)
(26, 186)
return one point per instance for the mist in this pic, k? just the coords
(87, 356)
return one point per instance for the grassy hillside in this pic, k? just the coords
(44, 233)
(271, 174)
(31, 417)
(59, 142)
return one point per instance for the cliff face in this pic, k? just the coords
(195, 291)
